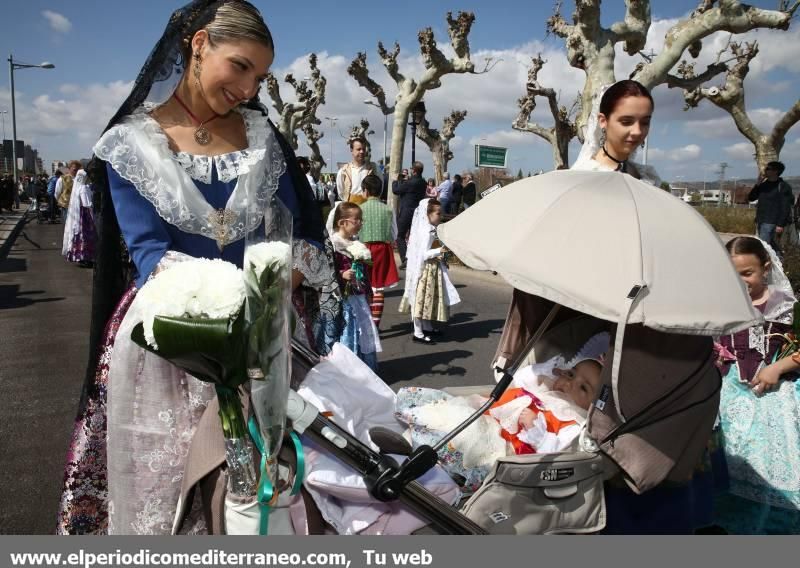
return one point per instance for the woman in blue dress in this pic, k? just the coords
(186, 168)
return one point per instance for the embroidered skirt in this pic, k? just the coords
(430, 301)
(761, 439)
(84, 506)
(82, 246)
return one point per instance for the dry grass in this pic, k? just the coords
(730, 219)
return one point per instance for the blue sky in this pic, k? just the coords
(99, 47)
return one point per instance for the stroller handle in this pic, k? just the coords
(378, 470)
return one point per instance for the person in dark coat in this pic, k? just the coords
(410, 192)
(469, 193)
(774, 209)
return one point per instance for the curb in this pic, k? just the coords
(7, 237)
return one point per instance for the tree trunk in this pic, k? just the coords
(401, 112)
(439, 162)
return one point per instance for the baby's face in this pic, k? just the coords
(581, 383)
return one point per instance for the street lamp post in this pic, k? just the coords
(12, 66)
(385, 119)
(417, 113)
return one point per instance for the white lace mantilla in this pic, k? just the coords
(139, 151)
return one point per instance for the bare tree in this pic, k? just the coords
(312, 138)
(438, 141)
(409, 90)
(730, 97)
(297, 115)
(564, 130)
(590, 46)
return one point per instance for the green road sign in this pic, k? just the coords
(490, 156)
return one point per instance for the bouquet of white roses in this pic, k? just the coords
(359, 252)
(193, 316)
(360, 256)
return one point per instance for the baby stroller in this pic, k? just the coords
(42, 207)
(660, 391)
(607, 258)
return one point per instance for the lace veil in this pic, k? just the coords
(419, 241)
(780, 305)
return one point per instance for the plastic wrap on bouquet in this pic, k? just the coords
(267, 268)
(193, 316)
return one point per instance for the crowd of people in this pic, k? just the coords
(165, 177)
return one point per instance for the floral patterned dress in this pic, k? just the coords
(761, 438)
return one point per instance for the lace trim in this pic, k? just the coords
(230, 165)
(312, 262)
(139, 151)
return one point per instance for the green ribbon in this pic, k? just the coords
(358, 271)
(301, 464)
(265, 489)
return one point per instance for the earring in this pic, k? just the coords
(602, 136)
(196, 68)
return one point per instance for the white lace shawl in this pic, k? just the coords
(420, 239)
(138, 150)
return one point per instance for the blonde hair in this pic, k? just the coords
(229, 21)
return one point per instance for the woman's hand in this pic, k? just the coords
(347, 274)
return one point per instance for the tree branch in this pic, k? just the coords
(455, 118)
(564, 128)
(358, 70)
(389, 60)
(709, 17)
(783, 125)
(633, 29)
(730, 97)
(687, 80)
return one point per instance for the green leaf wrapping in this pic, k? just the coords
(212, 350)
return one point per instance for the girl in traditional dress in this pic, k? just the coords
(79, 233)
(183, 169)
(429, 292)
(360, 334)
(760, 404)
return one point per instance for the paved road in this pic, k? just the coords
(44, 319)
(44, 322)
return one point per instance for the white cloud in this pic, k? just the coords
(723, 127)
(791, 151)
(684, 153)
(740, 151)
(70, 123)
(58, 22)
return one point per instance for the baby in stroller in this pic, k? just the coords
(542, 412)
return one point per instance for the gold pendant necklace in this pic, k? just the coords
(201, 134)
